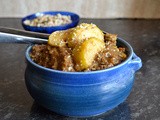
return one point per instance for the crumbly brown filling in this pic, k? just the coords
(60, 58)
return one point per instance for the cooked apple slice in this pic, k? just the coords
(57, 39)
(85, 53)
(82, 32)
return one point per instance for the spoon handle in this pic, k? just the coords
(23, 32)
(11, 38)
(10, 35)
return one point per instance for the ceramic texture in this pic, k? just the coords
(74, 18)
(82, 93)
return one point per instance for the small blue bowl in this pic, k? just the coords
(74, 18)
(82, 93)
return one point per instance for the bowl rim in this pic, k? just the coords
(35, 15)
(128, 46)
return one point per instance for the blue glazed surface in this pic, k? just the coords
(74, 18)
(82, 93)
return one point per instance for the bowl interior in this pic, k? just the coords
(120, 43)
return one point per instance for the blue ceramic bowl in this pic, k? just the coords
(74, 18)
(82, 93)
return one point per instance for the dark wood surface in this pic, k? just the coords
(143, 102)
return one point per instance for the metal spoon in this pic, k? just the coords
(11, 35)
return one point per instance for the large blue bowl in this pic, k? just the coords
(82, 93)
(74, 18)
